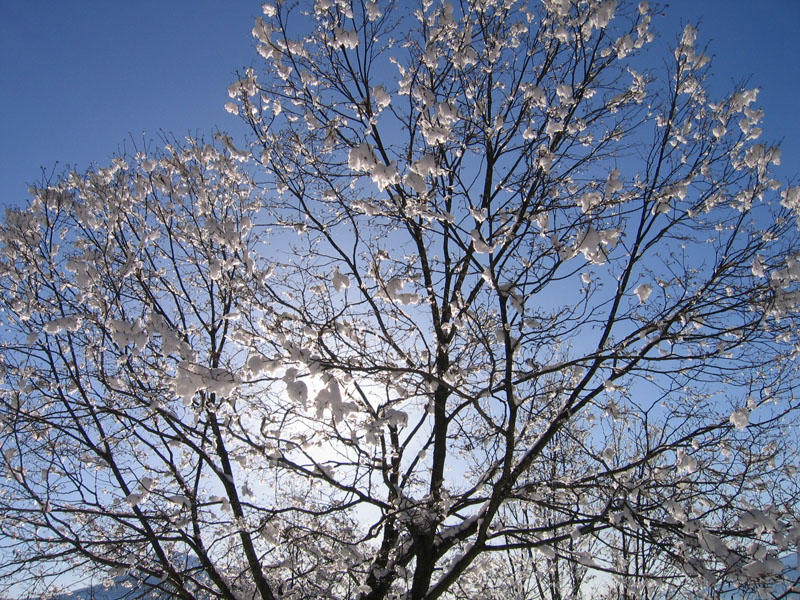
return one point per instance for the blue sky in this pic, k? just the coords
(81, 79)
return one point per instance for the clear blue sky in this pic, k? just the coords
(80, 77)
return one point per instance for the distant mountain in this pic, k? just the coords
(124, 588)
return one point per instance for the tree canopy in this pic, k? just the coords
(492, 304)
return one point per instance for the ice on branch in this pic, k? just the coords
(192, 378)
(480, 246)
(297, 391)
(624, 46)
(180, 500)
(762, 568)
(227, 141)
(685, 462)
(124, 333)
(553, 128)
(547, 552)
(345, 38)
(595, 245)
(340, 281)
(415, 182)
(643, 292)
(740, 418)
(589, 201)
(134, 498)
(425, 166)
(534, 94)
(381, 98)
(361, 158)
(603, 14)
(373, 11)
(258, 364)
(790, 198)
(393, 291)
(757, 267)
(330, 399)
(613, 183)
(56, 326)
(384, 175)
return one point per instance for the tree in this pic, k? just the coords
(488, 304)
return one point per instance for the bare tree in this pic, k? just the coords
(486, 306)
